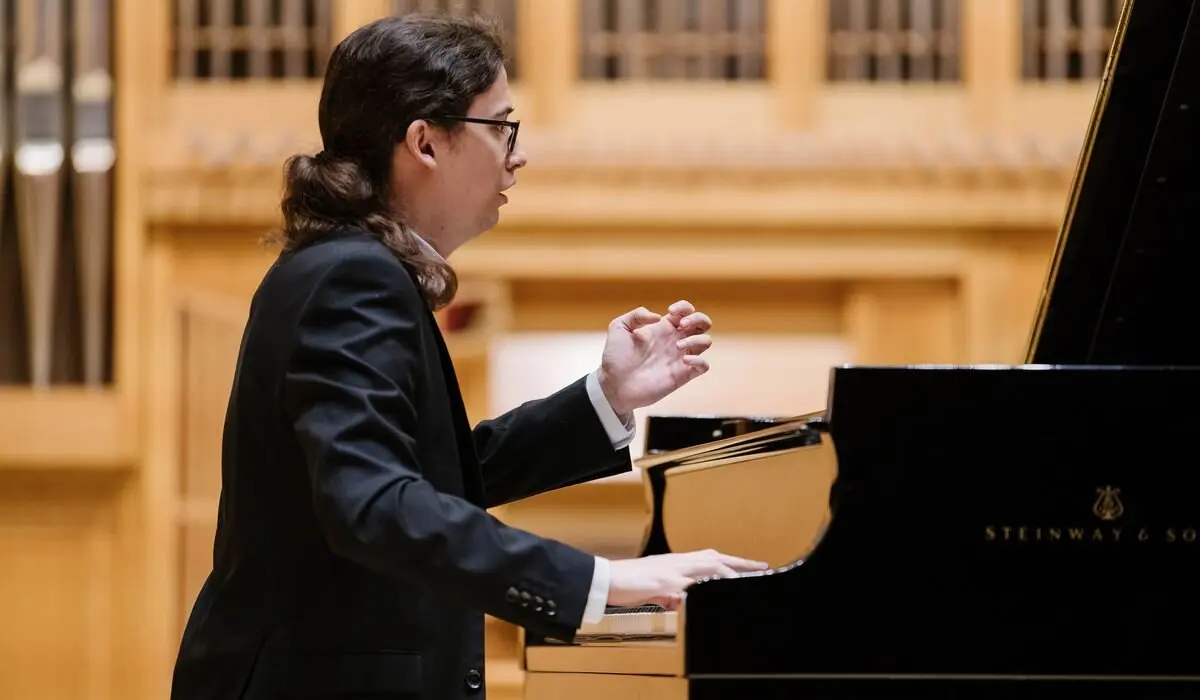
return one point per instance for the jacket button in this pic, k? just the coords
(474, 679)
(512, 594)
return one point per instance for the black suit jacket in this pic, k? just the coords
(353, 553)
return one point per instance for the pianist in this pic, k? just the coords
(353, 555)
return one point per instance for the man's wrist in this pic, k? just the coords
(597, 600)
(610, 395)
(618, 429)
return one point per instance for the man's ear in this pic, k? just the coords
(419, 142)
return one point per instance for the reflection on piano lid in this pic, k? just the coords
(992, 532)
(666, 433)
(761, 494)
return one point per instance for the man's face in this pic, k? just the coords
(480, 166)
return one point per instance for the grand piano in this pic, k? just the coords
(979, 532)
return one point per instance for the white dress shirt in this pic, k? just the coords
(620, 431)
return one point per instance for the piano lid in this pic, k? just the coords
(1125, 278)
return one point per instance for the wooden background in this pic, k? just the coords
(909, 216)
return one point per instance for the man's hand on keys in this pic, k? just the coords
(662, 579)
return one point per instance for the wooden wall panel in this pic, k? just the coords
(194, 562)
(1002, 285)
(211, 321)
(910, 322)
(212, 330)
(746, 305)
(59, 586)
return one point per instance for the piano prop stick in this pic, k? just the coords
(93, 156)
(40, 132)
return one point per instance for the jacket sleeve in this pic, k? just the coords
(351, 389)
(546, 444)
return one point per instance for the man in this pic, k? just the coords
(354, 556)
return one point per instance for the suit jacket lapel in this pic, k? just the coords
(472, 476)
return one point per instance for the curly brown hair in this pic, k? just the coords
(379, 80)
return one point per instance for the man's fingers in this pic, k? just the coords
(681, 308)
(740, 564)
(697, 364)
(695, 344)
(724, 571)
(639, 317)
(698, 322)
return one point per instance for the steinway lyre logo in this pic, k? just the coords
(1108, 504)
(1112, 529)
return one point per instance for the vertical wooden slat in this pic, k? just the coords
(260, 34)
(891, 46)
(349, 15)
(321, 35)
(631, 61)
(860, 40)
(160, 485)
(1092, 38)
(714, 25)
(950, 41)
(295, 40)
(923, 31)
(991, 60)
(186, 26)
(797, 35)
(220, 37)
(1056, 33)
(1031, 38)
(749, 39)
(548, 49)
(670, 62)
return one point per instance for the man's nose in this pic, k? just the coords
(517, 158)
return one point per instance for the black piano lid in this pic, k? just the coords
(1125, 279)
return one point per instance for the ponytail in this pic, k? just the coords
(324, 194)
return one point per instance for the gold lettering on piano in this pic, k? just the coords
(1107, 507)
(1100, 535)
(1187, 534)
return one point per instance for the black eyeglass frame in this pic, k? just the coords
(514, 125)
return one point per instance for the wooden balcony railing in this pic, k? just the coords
(866, 41)
(251, 39)
(1066, 39)
(895, 41)
(673, 39)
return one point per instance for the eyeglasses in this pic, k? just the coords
(511, 126)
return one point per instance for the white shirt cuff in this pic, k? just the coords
(597, 600)
(620, 431)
